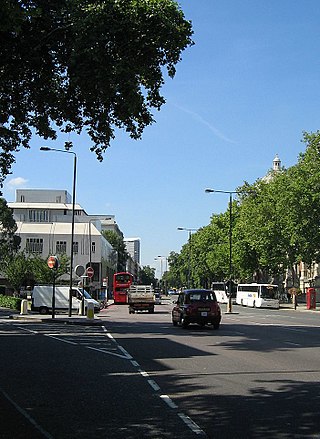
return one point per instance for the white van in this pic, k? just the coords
(42, 299)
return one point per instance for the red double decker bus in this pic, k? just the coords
(121, 284)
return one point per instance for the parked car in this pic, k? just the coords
(172, 292)
(197, 306)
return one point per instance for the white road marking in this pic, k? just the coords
(126, 356)
(27, 416)
(104, 351)
(60, 339)
(292, 344)
(168, 401)
(191, 424)
(188, 421)
(154, 385)
(135, 363)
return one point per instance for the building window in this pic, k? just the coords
(75, 248)
(61, 247)
(22, 199)
(93, 247)
(58, 199)
(34, 245)
(38, 216)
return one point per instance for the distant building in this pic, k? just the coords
(133, 248)
(108, 222)
(133, 262)
(44, 219)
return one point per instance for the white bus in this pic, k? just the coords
(220, 289)
(258, 295)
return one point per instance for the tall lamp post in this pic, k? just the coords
(230, 241)
(46, 148)
(189, 256)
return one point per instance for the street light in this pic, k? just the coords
(230, 241)
(189, 257)
(46, 148)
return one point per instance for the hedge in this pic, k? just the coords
(10, 302)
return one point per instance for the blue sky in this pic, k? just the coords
(245, 91)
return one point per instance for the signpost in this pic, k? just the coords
(53, 264)
(90, 272)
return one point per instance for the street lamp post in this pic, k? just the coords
(230, 241)
(46, 148)
(189, 256)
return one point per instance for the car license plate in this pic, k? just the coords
(204, 313)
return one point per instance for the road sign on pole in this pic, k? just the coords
(90, 272)
(79, 270)
(53, 262)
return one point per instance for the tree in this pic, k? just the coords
(9, 242)
(147, 275)
(91, 65)
(259, 242)
(43, 274)
(172, 277)
(275, 226)
(118, 244)
(16, 269)
(22, 270)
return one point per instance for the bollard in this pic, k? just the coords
(90, 310)
(24, 307)
(80, 309)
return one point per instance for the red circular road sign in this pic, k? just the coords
(53, 262)
(90, 272)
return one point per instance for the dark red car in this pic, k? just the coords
(197, 306)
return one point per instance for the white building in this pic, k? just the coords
(44, 219)
(133, 248)
(133, 261)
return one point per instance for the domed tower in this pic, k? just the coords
(276, 167)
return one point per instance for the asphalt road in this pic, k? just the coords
(138, 376)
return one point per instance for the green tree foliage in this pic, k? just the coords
(43, 274)
(258, 248)
(118, 244)
(275, 226)
(9, 242)
(17, 270)
(172, 277)
(92, 65)
(147, 275)
(22, 270)
(301, 203)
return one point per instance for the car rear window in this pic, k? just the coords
(201, 296)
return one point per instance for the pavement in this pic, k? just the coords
(31, 316)
(301, 307)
